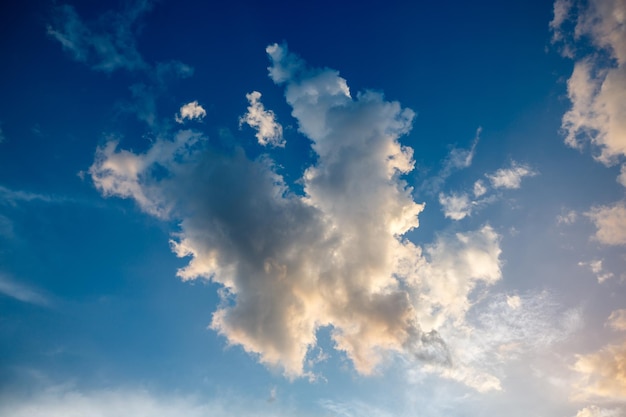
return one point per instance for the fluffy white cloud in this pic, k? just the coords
(479, 189)
(610, 222)
(602, 373)
(510, 177)
(597, 87)
(456, 206)
(269, 131)
(617, 320)
(190, 111)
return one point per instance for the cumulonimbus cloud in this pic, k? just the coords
(333, 256)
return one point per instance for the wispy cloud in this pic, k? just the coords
(269, 131)
(107, 44)
(123, 401)
(617, 320)
(13, 196)
(22, 292)
(510, 177)
(597, 268)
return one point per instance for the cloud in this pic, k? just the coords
(479, 188)
(13, 196)
(597, 86)
(610, 222)
(456, 206)
(190, 111)
(501, 328)
(602, 373)
(510, 177)
(269, 131)
(107, 44)
(58, 401)
(617, 320)
(21, 292)
(597, 268)
(456, 160)
(595, 411)
(243, 228)
(567, 217)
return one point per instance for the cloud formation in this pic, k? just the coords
(617, 320)
(595, 411)
(610, 222)
(190, 111)
(603, 373)
(597, 86)
(269, 131)
(242, 227)
(107, 44)
(22, 293)
(510, 177)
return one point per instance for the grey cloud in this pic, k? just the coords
(334, 256)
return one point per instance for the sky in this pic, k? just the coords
(336, 209)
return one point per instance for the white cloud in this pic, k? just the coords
(500, 329)
(12, 196)
(596, 267)
(597, 86)
(602, 373)
(190, 111)
(510, 177)
(617, 320)
(595, 411)
(456, 206)
(269, 131)
(479, 189)
(610, 222)
(22, 292)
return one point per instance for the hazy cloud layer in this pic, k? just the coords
(269, 131)
(617, 320)
(595, 411)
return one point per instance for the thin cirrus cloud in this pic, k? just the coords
(242, 227)
(617, 320)
(106, 45)
(21, 292)
(269, 131)
(457, 206)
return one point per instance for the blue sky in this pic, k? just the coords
(339, 210)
